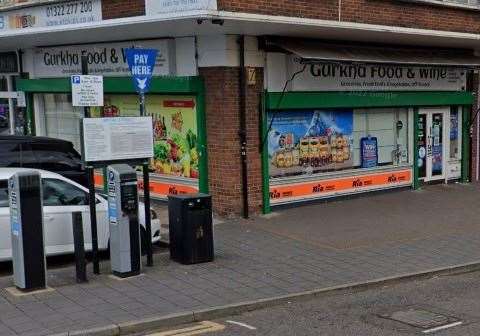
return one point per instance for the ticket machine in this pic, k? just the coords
(27, 231)
(125, 247)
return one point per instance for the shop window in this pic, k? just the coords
(61, 120)
(174, 128)
(455, 135)
(306, 142)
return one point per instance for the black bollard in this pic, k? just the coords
(80, 263)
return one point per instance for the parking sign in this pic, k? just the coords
(141, 63)
(87, 90)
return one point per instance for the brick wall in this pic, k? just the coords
(112, 9)
(383, 12)
(223, 122)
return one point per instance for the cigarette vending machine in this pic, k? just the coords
(125, 248)
(27, 231)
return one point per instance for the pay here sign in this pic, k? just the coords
(141, 63)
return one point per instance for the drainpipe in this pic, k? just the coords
(339, 10)
(243, 126)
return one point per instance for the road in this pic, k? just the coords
(358, 312)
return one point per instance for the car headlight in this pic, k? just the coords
(153, 214)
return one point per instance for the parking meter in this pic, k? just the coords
(26, 222)
(125, 248)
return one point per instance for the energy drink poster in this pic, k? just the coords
(369, 152)
(174, 130)
(309, 141)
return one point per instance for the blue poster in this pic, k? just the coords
(141, 63)
(437, 159)
(309, 141)
(453, 125)
(369, 152)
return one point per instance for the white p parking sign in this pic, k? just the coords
(87, 90)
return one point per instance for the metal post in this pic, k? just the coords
(148, 222)
(93, 219)
(78, 242)
(242, 97)
(11, 106)
(91, 190)
(146, 195)
(142, 105)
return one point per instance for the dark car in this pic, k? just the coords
(50, 154)
(3, 121)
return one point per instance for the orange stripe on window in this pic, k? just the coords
(316, 189)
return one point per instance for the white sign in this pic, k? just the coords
(153, 7)
(55, 14)
(21, 101)
(87, 90)
(107, 59)
(18, 95)
(376, 77)
(120, 138)
(6, 4)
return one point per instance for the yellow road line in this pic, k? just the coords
(200, 328)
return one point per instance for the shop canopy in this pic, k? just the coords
(211, 22)
(314, 51)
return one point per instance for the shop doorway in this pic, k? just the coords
(433, 151)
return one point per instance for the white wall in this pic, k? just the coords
(223, 51)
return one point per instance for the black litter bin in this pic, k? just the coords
(190, 226)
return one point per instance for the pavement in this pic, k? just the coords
(301, 251)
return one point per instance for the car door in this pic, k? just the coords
(60, 199)
(5, 239)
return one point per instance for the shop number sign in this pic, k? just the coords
(87, 90)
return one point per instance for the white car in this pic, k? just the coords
(62, 197)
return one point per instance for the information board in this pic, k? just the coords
(117, 139)
(87, 90)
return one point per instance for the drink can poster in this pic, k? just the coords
(369, 152)
(309, 141)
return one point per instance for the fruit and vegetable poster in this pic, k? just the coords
(309, 141)
(174, 130)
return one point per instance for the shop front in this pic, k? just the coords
(8, 97)
(176, 104)
(334, 128)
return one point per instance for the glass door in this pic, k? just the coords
(436, 146)
(431, 143)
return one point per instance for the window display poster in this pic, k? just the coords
(174, 129)
(309, 141)
(453, 125)
(369, 152)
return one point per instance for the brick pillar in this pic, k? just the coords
(223, 144)
(255, 181)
